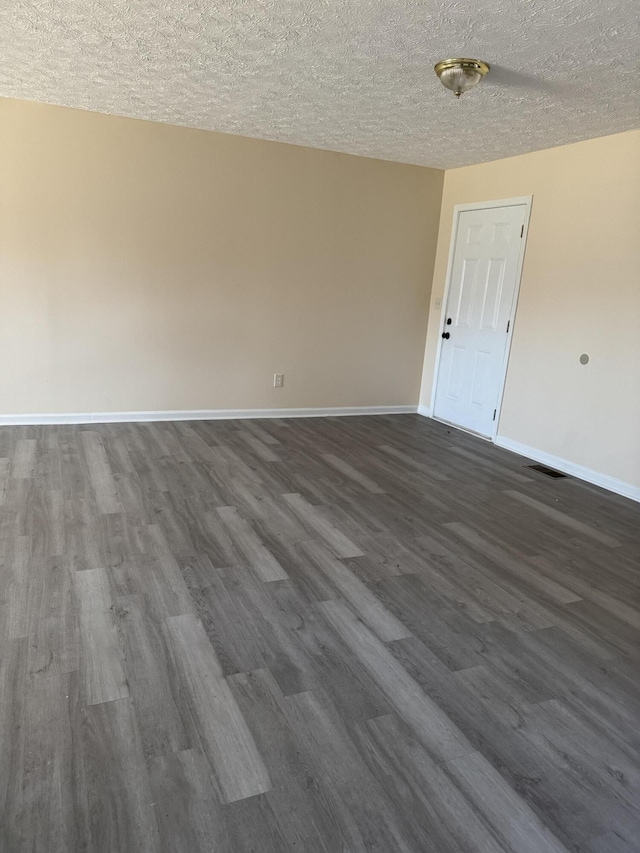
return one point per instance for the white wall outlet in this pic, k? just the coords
(438, 302)
(278, 380)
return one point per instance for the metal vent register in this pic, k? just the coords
(557, 475)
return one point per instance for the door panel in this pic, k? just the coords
(481, 294)
(480, 376)
(467, 289)
(456, 373)
(493, 295)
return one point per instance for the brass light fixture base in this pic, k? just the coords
(460, 75)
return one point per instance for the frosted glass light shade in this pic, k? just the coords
(460, 75)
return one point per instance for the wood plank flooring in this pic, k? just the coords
(323, 635)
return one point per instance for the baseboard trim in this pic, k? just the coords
(580, 471)
(425, 411)
(199, 415)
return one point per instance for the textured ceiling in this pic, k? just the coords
(348, 75)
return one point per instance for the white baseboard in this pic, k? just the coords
(580, 471)
(199, 415)
(425, 411)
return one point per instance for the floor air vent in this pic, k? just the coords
(557, 475)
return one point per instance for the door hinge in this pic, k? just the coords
(522, 231)
(494, 414)
(508, 324)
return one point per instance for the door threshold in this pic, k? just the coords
(464, 429)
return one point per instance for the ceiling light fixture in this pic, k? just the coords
(460, 75)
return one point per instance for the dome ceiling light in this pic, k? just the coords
(460, 75)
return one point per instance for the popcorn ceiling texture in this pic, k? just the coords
(348, 75)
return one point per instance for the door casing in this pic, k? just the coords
(527, 201)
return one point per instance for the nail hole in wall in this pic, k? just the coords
(584, 358)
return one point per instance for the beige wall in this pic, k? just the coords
(150, 267)
(580, 292)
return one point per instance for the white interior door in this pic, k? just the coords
(482, 289)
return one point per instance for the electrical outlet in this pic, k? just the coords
(438, 302)
(278, 380)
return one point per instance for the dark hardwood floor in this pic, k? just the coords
(332, 635)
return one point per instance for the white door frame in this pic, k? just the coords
(527, 201)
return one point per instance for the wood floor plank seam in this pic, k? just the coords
(226, 738)
(101, 664)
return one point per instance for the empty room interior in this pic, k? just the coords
(319, 427)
